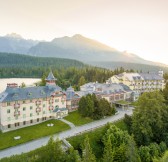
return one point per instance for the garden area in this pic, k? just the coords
(77, 119)
(31, 133)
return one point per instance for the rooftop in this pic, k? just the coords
(15, 94)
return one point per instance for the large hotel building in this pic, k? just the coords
(20, 107)
(140, 82)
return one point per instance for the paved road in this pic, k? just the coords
(32, 145)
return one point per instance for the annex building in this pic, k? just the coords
(21, 107)
(111, 92)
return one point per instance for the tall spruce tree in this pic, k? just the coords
(87, 155)
(108, 153)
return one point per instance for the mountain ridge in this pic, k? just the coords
(75, 47)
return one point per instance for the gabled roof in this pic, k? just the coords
(71, 94)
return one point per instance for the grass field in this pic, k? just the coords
(77, 119)
(31, 133)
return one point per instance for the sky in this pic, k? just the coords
(137, 26)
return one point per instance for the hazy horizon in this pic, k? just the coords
(139, 27)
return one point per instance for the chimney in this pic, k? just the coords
(12, 85)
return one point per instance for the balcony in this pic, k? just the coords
(16, 106)
(51, 101)
(63, 99)
(16, 113)
(38, 109)
(38, 102)
(51, 107)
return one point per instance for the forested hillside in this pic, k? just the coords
(17, 60)
(68, 72)
(16, 65)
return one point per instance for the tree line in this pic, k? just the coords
(91, 106)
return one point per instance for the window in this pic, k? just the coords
(24, 102)
(43, 105)
(8, 103)
(9, 126)
(24, 115)
(17, 124)
(31, 114)
(31, 121)
(30, 100)
(44, 118)
(24, 123)
(8, 111)
(56, 100)
(31, 107)
(37, 119)
(24, 108)
(9, 118)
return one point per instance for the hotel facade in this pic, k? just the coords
(21, 107)
(140, 82)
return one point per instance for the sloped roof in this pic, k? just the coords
(50, 77)
(151, 76)
(104, 88)
(71, 95)
(15, 94)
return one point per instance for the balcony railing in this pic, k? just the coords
(16, 106)
(51, 101)
(38, 109)
(38, 102)
(51, 107)
(16, 113)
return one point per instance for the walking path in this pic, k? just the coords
(32, 145)
(67, 122)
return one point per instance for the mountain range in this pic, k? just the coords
(76, 47)
(14, 43)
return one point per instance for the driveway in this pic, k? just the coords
(32, 145)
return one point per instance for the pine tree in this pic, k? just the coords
(87, 155)
(73, 155)
(108, 153)
(82, 81)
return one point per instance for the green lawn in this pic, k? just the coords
(31, 133)
(77, 119)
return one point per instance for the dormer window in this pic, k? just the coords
(29, 93)
(42, 92)
(15, 95)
